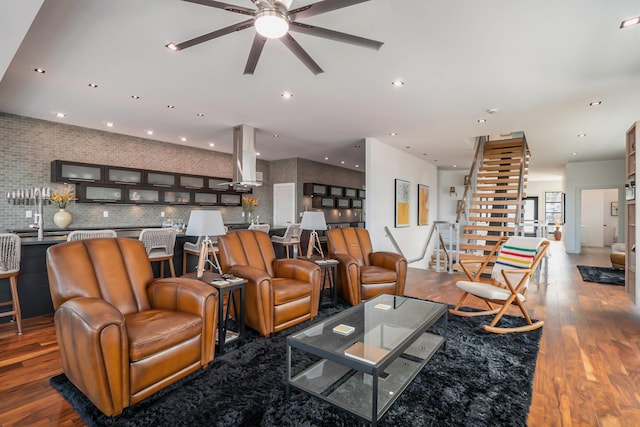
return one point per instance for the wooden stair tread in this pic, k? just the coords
(497, 210)
(497, 228)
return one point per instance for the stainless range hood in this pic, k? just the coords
(244, 157)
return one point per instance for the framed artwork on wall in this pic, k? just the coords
(614, 208)
(402, 203)
(423, 204)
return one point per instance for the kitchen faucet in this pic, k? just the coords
(37, 219)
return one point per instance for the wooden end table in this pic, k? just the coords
(225, 336)
(329, 269)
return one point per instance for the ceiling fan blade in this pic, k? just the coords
(334, 35)
(301, 54)
(215, 34)
(321, 7)
(254, 54)
(224, 6)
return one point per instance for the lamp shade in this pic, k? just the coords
(313, 220)
(205, 223)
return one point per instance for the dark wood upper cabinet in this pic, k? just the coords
(63, 171)
(311, 189)
(191, 181)
(96, 193)
(128, 176)
(173, 197)
(350, 192)
(336, 191)
(356, 203)
(160, 179)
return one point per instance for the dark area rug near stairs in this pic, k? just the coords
(479, 379)
(606, 275)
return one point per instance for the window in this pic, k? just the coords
(554, 208)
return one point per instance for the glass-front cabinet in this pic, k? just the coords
(99, 193)
(218, 184)
(206, 199)
(231, 199)
(160, 179)
(63, 171)
(127, 176)
(191, 181)
(176, 197)
(135, 195)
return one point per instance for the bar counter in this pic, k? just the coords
(33, 283)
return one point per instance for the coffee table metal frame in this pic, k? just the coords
(341, 380)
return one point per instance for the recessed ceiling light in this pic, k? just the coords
(595, 103)
(287, 95)
(357, 146)
(257, 153)
(200, 115)
(342, 162)
(492, 110)
(93, 85)
(171, 106)
(275, 135)
(149, 132)
(629, 22)
(582, 135)
(135, 97)
(109, 124)
(393, 133)
(183, 139)
(397, 83)
(408, 146)
(171, 46)
(60, 115)
(455, 166)
(39, 70)
(574, 153)
(424, 154)
(211, 144)
(482, 120)
(326, 158)
(357, 166)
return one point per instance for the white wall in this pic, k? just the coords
(383, 165)
(589, 175)
(446, 202)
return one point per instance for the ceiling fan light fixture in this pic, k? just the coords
(272, 23)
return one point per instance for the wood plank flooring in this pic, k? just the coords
(587, 373)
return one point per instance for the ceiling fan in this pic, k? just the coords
(273, 19)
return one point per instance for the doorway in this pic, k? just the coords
(599, 217)
(284, 204)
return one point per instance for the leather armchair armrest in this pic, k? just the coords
(189, 296)
(305, 271)
(394, 262)
(258, 298)
(95, 352)
(349, 275)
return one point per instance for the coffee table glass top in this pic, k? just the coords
(385, 322)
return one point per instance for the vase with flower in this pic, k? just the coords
(62, 218)
(249, 203)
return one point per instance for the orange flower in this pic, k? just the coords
(62, 199)
(248, 203)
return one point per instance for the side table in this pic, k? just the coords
(225, 335)
(329, 269)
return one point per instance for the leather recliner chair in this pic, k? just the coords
(124, 335)
(364, 273)
(280, 293)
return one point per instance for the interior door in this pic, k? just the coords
(284, 204)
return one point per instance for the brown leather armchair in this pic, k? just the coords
(280, 292)
(363, 273)
(123, 335)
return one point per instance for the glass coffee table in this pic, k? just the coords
(368, 354)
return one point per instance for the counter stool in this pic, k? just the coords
(159, 243)
(290, 238)
(260, 227)
(9, 269)
(90, 234)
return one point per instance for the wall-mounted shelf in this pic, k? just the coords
(331, 196)
(630, 206)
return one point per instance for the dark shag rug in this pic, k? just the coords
(479, 379)
(606, 275)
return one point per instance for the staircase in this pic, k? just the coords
(492, 204)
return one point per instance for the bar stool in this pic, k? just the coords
(290, 238)
(90, 234)
(159, 243)
(260, 227)
(9, 269)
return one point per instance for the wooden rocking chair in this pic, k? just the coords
(518, 257)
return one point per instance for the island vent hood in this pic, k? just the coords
(244, 158)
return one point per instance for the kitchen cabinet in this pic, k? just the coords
(356, 203)
(176, 197)
(206, 199)
(139, 196)
(311, 189)
(128, 176)
(231, 199)
(218, 184)
(342, 203)
(323, 202)
(63, 171)
(160, 179)
(350, 192)
(336, 191)
(99, 193)
(191, 181)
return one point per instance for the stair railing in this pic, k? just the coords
(470, 183)
(450, 228)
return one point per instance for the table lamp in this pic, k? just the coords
(313, 220)
(206, 224)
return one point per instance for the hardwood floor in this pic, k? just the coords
(587, 373)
